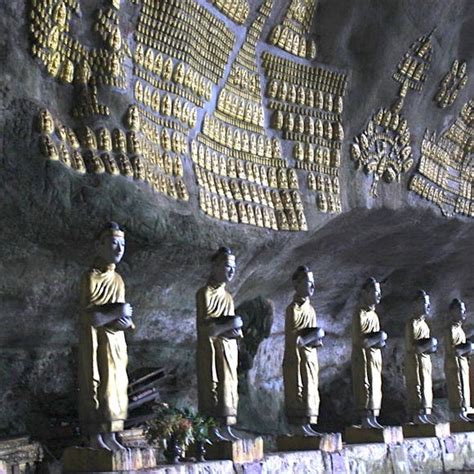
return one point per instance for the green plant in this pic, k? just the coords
(202, 426)
(169, 423)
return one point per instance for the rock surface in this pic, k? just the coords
(49, 215)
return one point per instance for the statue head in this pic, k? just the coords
(303, 282)
(421, 303)
(110, 243)
(457, 310)
(223, 266)
(371, 293)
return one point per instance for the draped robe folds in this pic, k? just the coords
(417, 366)
(366, 362)
(300, 364)
(103, 381)
(457, 369)
(217, 357)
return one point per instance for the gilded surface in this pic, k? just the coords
(103, 381)
(366, 362)
(217, 357)
(456, 369)
(417, 366)
(300, 363)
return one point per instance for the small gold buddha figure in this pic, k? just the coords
(181, 189)
(119, 141)
(78, 162)
(224, 213)
(46, 122)
(158, 65)
(125, 165)
(250, 214)
(235, 188)
(134, 146)
(232, 209)
(110, 164)
(300, 363)
(165, 139)
(367, 342)
(309, 126)
(48, 148)
(67, 72)
(72, 139)
(139, 168)
(166, 105)
(272, 89)
(114, 39)
(243, 218)
(167, 72)
(253, 144)
(458, 350)
(282, 220)
(292, 179)
(104, 140)
(419, 345)
(241, 169)
(54, 64)
(114, 65)
(311, 181)
(139, 54)
(89, 140)
(149, 59)
(322, 202)
(64, 155)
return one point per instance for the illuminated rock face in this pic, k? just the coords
(49, 214)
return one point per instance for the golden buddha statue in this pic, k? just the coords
(367, 342)
(418, 346)
(218, 329)
(458, 349)
(105, 315)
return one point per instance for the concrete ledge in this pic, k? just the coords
(423, 455)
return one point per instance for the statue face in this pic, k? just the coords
(422, 305)
(304, 285)
(223, 270)
(458, 312)
(373, 294)
(111, 248)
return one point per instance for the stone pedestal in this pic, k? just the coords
(19, 455)
(386, 435)
(241, 451)
(329, 442)
(88, 459)
(440, 430)
(461, 426)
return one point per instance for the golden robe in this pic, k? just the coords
(456, 369)
(103, 381)
(417, 366)
(217, 357)
(366, 363)
(300, 364)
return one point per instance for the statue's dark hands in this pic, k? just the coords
(466, 349)
(220, 327)
(377, 340)
(427, 346)
(121, 324)
(310, 337)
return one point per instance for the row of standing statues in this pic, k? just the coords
(106, 315)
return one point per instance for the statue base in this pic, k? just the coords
(440, 430)
(97, 460)
(241, 451)
(461, 426)
(386, 435)
(328, 442)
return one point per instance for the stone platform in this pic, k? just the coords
(439, 430)
(424, 455)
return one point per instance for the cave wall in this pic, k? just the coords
(49, 214)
